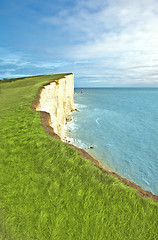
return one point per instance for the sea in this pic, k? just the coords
(119, 127)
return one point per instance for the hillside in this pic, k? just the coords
(49, 191)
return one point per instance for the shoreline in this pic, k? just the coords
(45, 122)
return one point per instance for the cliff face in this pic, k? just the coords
(57, 99)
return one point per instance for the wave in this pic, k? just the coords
(80, 106)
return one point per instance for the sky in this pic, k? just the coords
(105, 43)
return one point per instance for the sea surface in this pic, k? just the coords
(121, 124)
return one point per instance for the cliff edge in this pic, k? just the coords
(57, 99)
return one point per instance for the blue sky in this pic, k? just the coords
(106, 43)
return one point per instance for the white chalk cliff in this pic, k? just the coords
(57, 99)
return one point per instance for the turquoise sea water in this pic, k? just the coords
(122, 126)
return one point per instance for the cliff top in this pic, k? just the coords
(61, 75)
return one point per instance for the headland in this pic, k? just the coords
(55, 102)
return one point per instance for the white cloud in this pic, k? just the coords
(8, 56)
(103, 39)
(94, 81)
(117, 26)
(121, 34)
(10, 75)
(16, 64)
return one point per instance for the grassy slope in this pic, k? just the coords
(48, 191)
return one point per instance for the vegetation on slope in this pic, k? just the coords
(48, 191)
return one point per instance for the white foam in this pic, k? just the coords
(80, 106)
(97, 120)
(72, 125)
(109, 145)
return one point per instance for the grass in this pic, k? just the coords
(48, 191)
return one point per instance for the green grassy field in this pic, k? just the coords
(48, 191)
